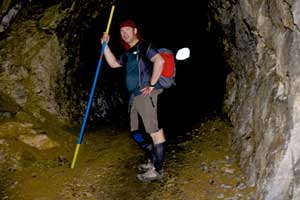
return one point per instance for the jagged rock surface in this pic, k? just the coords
(261, 45)
(44, 62)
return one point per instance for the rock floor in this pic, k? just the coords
(199, 166)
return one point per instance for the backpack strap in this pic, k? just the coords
(143, 49)
(148, 49)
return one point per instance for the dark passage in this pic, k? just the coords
(200, 79)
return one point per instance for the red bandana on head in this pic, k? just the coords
(128, 23)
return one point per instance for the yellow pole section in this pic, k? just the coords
(75, 156)
(110, 18)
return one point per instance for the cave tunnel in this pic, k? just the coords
(244, 66)
(200, 80)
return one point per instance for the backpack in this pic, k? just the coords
(167, 77)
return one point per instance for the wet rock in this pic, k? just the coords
(9, 129)
(3, 142)
(7, 19)
(204, 167)
(41, 142)
(228, 160)
(2, 156)
(226, 186)
(241, 186)
(4, 115)
(228, 170)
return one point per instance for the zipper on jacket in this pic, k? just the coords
(138, 58)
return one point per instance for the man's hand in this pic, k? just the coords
(147, 90)
(104, 38)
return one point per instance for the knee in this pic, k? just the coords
(158, 137)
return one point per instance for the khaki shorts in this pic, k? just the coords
(146, 108)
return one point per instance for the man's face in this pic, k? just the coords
(128, 34)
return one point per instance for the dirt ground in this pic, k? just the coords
(199, 166)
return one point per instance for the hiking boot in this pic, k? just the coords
(150, 175)
(145, 167)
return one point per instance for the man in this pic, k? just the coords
(142, 83)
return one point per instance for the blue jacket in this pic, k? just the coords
(138, 66)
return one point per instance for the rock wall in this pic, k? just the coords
(45, 56)
(4, 6)
(32, 62)
(261, 45)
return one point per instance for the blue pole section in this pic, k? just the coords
(91, 95)
(88, 107)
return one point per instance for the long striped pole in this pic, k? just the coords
(92, 91)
